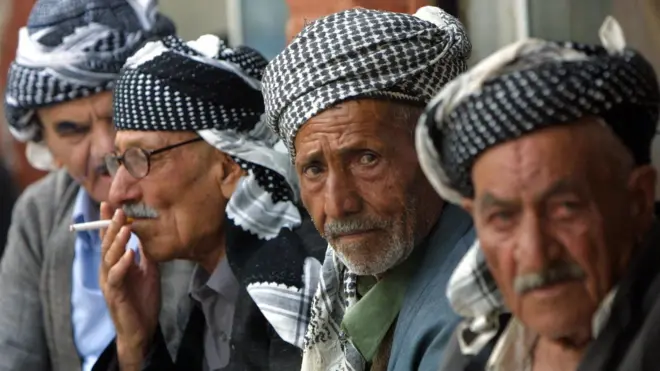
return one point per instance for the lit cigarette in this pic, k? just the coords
(99, 224)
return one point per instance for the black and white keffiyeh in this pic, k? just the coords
(207, 87)
(362, 53)
(528, 86)
(72, 49)
(525, 87)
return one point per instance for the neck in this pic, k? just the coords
(557, 355)
(210, 256)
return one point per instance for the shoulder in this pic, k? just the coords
(44, 202)
(50, 192)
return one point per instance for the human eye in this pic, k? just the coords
(312, 171)
(367, 158)
(566, 208)
(70, 129)
(501, 218)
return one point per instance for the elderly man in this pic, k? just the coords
(345, 96)
(52, 312)
(547, 145)
(196, 170)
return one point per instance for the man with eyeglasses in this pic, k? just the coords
(58, 100)
(198, 178)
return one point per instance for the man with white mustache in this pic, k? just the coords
(198, 178)
(548, 146)
(58, 99)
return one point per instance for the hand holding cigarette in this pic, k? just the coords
(131, 291)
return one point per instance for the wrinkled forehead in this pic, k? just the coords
(79, 110)
(149, 140)
(535, 163)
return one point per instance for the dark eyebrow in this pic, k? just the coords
(58, 125)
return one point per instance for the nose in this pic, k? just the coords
(341, 197)
(103, 137)
(536, 249)
(124, 188)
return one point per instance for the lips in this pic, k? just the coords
(355, 233)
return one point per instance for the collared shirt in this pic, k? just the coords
(92, 326)
(368, 321)
(514, 350)
(216, 294)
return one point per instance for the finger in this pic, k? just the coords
(114, 253)
(118, 247)
(105, 214)
(118, 220)
(117, 274)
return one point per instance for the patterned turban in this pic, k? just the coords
(206, 87)
(531, 85)
(528, 86)
(362, 53)
(71, 49)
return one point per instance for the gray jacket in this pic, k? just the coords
(35, 282)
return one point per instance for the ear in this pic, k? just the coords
(229, 176)
(468, 205)
(641, 185)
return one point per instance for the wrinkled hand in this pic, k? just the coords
(131, 291)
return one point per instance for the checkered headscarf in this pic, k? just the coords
(531, 85)
(362, 53)
(525, 87)
(72, 49)
(206, 87)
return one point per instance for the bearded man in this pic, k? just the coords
(345, 96)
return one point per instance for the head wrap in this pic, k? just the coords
(528, 86)
(206, 87)
(531, 85)
(72, 49)
(362, 53)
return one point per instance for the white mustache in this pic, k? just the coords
(139, 211)
(533, 281)
(353, 225)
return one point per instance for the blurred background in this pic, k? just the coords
(267, 25)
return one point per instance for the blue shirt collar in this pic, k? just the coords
(84, 210)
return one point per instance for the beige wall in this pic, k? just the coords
(491, 24)
(196, 17)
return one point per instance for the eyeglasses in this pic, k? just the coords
(137, 161)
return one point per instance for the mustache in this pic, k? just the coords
(139, 211)
(560, 273)
(351, 225)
